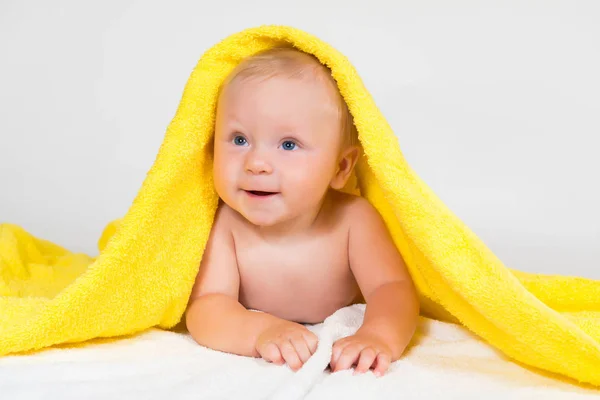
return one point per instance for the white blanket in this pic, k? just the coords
(444, 362)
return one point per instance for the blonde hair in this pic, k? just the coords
(296, 64)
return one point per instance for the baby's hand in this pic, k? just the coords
(287, 342)
(364, 351)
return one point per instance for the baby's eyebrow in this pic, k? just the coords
(231, 117)
(233, 121)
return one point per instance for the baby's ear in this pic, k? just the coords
(346, 164)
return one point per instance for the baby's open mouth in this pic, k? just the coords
(260, 193)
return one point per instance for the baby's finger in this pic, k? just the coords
(365, 360)
(336, 352)
(348, 357)
(289, 355)
(271, 353)
(301, 348)
(382, 364)
(312, 341)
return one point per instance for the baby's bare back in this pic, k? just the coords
(304, 277)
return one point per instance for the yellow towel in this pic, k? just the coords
(148, 260)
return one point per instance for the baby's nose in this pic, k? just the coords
(256, 164)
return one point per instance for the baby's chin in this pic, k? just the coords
(263, 219)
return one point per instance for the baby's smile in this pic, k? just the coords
(260, 194)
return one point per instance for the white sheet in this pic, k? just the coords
(446, 362)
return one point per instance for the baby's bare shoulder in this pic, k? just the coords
(354, 208)
(225, 218)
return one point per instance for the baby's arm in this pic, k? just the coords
(392, 305)
(214, 317)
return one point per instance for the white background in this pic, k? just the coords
(496, 106)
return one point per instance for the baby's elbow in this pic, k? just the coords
(191, 318)
(196, 317)
(413, 295)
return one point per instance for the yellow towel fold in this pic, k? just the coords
(148, 260)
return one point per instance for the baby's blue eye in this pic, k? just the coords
(288, 145)
(239, 140)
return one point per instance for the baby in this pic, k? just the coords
(287, 241)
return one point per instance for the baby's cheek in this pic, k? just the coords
(223, 178)
(309, 185)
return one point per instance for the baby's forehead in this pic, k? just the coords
(318, 91)
(283, 62)
(281, 100)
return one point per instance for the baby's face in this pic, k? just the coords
(276, 147)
